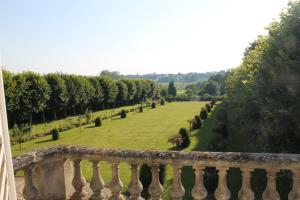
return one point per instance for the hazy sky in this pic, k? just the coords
(130, 36)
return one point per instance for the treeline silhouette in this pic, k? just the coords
(32, 97)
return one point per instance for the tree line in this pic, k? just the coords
(263, 93)
(31, 96)
(214, 86)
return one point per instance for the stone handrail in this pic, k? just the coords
(46, 174)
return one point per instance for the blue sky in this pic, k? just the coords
(130, 36)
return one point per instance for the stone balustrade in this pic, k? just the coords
(50, 173)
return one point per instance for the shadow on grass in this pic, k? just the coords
(44, 141)
(203, 137)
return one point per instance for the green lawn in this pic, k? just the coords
(45, 127)
(147, 130)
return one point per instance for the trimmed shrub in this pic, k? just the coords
(162, 102)
(98, 122)
(203, 113)
(141, 108)
(212, 103)
(123, 114)
(197, 122)
(55, 134)
(176, 140)
(153, 105)
(208, 107)
(185, 137)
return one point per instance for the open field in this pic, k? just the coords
(147, 130)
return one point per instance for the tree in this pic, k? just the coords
(86, 92)
(35, 94)
(264, 91)
(73, 88)
(98, 96)
(139, 90)
(131, 87)
(211, 87)
(12, 95)
(122, 93)
(58, 93)
(110, 90)
(172, 89)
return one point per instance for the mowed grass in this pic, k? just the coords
(46, 127)
(147, 130)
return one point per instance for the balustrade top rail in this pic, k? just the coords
(229, 159)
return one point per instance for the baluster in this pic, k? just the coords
(155, 188)
(97, 183)
(271, 192)
(29, 192)
(135, 186)
(222, 192)
(199, 192)
(177, 191)
(246, 192)
(78, 181)
(115, 184)
(295, 193)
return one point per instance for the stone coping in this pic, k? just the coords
(194, 158)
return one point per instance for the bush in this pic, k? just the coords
(123, 114)
(217, 144)
(185, 137)
(203, 113)
(212, 103)
(221, 129)
(55, 134)
(197, 122)
(208, 107)
(153, 105)
(88, 116)
(141, 108)
(176, 140)
(98, 122)
(162, 102)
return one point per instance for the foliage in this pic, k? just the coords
(214, 86)
(185, 137)
(208, 107)
(162, 101)
(141, 108)
(55, 134)
(203, 113)
(58, 93)
(176, 140)
(88, 116)
(123, 113)
(34, 94)
(153, 105)
(30, 95)
(98, 122)
(122, 95)
(264, 91)
(172, 89)
(196, 122)
(20, 133)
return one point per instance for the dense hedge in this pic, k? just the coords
(31, 96)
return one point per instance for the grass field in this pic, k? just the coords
(45, 127)
(147, 130)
